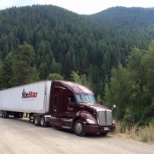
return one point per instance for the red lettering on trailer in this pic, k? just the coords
(32, 94)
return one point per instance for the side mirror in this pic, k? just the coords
(113, 107)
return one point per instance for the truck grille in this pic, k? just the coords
(104, 118)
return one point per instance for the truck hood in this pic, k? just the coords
(97, 107)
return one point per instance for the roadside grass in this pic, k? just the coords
(142, 134)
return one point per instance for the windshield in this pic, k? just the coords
(86, 98)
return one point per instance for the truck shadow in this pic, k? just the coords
(87, 135)
(97, 135)
(24, 120)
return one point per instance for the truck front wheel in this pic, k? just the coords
(79, 128)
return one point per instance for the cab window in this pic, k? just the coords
(71, 99)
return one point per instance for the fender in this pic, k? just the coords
(85, 116)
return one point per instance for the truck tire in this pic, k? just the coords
(2, 114)
(79, 128)
(5, 114)
(37, 120)
(43, 122)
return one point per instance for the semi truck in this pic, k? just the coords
(58, 103)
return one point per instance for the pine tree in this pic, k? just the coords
(55, 76)
(8, 70)
(1, 74)
(22, 66)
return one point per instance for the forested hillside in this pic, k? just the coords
(128, 27)
(132, 82)
(62, 41)
(37, 42)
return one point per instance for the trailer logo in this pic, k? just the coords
(30, 94)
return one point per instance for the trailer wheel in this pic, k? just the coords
(37, 121)
(5, 114)
(2, 112)
(79, 128)
(43, 122)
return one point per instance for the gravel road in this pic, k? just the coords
(18, 136)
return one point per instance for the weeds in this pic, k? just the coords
(143, 134)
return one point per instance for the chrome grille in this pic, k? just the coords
(104, 118)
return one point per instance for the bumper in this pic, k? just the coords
(98, 129)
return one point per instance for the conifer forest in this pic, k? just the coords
(111, 52)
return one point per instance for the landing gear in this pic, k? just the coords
(18, 115)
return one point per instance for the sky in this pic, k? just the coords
(80, 6)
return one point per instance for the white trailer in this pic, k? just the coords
(32, 99)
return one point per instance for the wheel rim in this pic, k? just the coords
(78, 128)
(36, 121)
(2, 114)
(42, 121)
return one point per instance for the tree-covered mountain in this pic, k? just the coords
(39, 41)
(57, 35)
(130, 86)
(128, 27)
(122, 17)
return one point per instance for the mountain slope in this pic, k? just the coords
(131, 27)
(64, 41)
(122, 17)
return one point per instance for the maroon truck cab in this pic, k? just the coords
(73, 106)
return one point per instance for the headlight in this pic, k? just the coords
(113, 121)
(90, 121)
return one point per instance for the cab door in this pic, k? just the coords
(55, 105)
(73, 107)
(56, 101)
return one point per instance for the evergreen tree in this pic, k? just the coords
(55, 67)
(119, 92)
(55, 76)
(131, 89)
(1, 74)
(135, 67)
(82, 79)
(43, 70)
(148, 62)
(34, 75)
(8, 73)
(22, 66)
